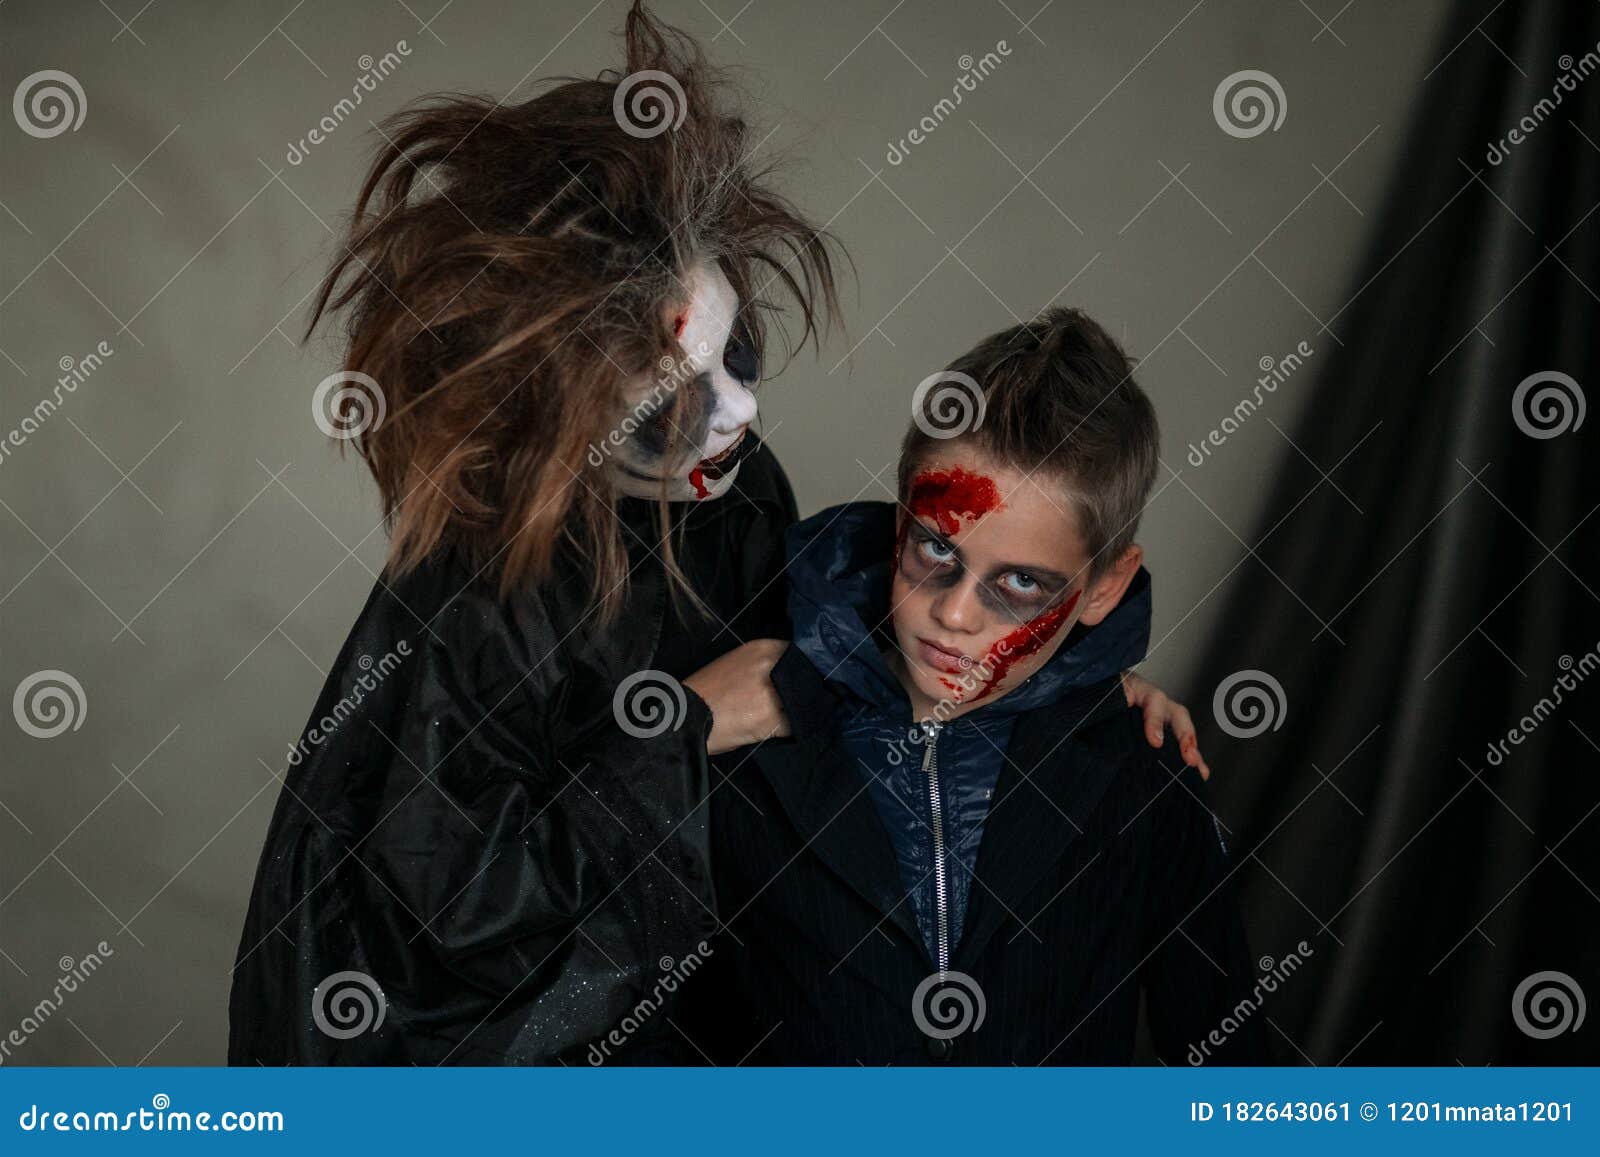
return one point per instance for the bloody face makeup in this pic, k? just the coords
(686, 423)
(988, 578)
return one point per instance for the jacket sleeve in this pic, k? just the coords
(504, 839)
(1198, 976)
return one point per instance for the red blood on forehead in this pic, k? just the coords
(947, 496)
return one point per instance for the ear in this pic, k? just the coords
(1106, 591)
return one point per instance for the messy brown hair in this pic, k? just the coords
(1059, 399)
(510, 267)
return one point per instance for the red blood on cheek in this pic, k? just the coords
(678, 323)
(1027, 640)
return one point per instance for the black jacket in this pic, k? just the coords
(471, 860)
(1100, 872)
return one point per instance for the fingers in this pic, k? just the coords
(1159, 712)
(1143, 693)
(1188, 743)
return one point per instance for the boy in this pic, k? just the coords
(967, 852)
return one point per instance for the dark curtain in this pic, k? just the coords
(1424, 576)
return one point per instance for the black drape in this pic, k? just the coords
(1424, 577)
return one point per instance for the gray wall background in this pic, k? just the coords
(181, 539)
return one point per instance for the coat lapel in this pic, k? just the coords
(1047, 789)
(826, 798)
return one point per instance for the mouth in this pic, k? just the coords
(719, 464)
(941, 658)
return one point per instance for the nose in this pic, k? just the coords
(736, 407)
(957, 608)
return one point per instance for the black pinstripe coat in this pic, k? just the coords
(1101, 875)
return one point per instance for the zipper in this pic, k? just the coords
(930, 768)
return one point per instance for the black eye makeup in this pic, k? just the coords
(739, 354)
(928, 557)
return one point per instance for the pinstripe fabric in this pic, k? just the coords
(1100, 874)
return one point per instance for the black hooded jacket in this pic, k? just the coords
(472, 860)
(1097, 873)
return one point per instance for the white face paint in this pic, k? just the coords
(705, 403)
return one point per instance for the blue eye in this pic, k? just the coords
(1026, 583)
(935, 550)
